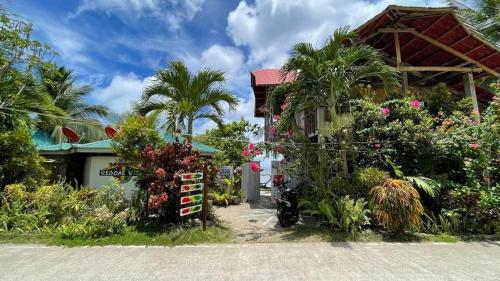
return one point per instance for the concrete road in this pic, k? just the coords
(272, 261)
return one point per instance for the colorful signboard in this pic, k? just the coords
(191, 187)
(192, 176)
(191, 199)
(194, 195)
(190, 210)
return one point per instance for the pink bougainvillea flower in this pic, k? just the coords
(245, 153)
(377, 145)
(385, 111)
(474, 145)
(251, 146)
(272, 130)
(257, 152)
(415, 104)
(276, 117)
(255, 167)
(289, 133)
(160, 172)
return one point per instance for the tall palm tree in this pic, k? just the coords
(328, 74)
(185, 98)
(59, 84)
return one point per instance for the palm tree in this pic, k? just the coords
(326, 75)
(185, 98)
(59, 84)
(329, 74)
(484, 16)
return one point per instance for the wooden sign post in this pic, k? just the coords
(193, 197)
(205, 195)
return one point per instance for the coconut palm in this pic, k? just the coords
(185, 98)
(59, 84)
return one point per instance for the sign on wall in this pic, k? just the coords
(119, 171)
(226, 172)
(192, 189)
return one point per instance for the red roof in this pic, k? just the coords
(270, 77)
(263, 80)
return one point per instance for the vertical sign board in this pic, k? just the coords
(192, 193)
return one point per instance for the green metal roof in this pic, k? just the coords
(41, 139)
(44, 144)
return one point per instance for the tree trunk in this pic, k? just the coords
(190, 129)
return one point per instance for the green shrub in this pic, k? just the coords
(74, 213)
(19, 159)
(366, 178)
(344, 214)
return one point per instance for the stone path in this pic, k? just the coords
(257, 222)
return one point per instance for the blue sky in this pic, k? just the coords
(116, 45)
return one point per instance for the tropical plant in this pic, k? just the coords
(398, 205)
(20, 95)
(160, 176)
(68, 211)
(19, 159)
(344, 214)
(59, 84)
(135, 133)
(230, 139)
(185, 98)
(326, 75)
(369, 177)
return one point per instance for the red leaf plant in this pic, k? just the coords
(160, 175)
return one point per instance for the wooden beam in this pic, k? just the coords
(392, 30)
(443, 72)
(439, 69)
(455, 52)
(398, 51)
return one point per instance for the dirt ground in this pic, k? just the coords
(257, 222)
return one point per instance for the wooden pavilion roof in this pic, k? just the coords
(436, 45)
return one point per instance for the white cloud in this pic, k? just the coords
(225, 58)
(271, 27)
(122, 92)
(173, 12)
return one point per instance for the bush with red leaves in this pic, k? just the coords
(159, 174)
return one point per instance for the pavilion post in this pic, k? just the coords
(404, 87)
(399, 63)
(470, 91)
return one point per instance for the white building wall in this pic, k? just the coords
(92, 178)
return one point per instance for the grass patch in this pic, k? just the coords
(322, 233)
(151, 236)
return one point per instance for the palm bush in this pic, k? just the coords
(398, 205)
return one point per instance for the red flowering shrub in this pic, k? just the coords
(160, 176)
